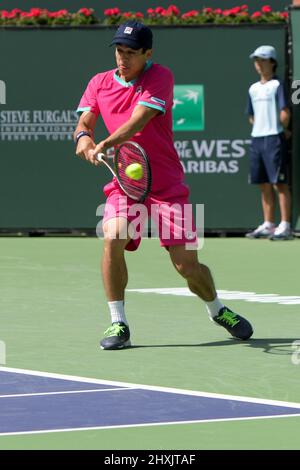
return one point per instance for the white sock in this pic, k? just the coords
(214, 307)
(284, 224)
(282, 227)
(268, 224)
(117, 312)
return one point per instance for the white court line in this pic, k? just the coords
(65, 392)
(75, 378)
(170, 423)
(226, 295)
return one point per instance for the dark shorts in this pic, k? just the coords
(268, 160)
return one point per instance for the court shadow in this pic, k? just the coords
(283, 346)
(280, 346)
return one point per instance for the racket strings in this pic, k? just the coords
(128, 154)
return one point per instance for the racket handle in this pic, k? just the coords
(101, 157)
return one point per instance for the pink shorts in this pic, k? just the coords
(173, 217)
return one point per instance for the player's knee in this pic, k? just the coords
(114, 244)
(281, 188)
(116, 229)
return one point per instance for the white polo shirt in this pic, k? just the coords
(265, 101)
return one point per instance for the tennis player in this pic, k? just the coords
(135, 102)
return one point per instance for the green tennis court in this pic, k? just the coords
(53, 313)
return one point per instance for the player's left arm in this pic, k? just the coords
(139, 119)
(284, 112)
(285, 116)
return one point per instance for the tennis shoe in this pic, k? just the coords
(236, 325)
(281, 234)
(117, 336)
(262, 231)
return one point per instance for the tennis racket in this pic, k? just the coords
(126, 154)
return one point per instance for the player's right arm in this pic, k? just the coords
(86, 123)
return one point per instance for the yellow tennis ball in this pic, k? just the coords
(134, 171)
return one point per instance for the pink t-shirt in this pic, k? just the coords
(107, 94)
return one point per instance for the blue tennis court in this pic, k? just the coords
(33, 403)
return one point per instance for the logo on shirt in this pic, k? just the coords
(157, 100)
(139, 89)
(128, 30)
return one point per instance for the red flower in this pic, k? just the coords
(16, 11)
(8, 14)
(190, 14)
(62, 13)
(112, 12)
(31, 15)
(235, 10)
(55, 14)
(171, 15)
(35, 12)
(51, 14)
(266, 9)
(159, 10)
(86, 11)
(173, 10)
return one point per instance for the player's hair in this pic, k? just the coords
(144, 49)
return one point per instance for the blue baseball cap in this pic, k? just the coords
(265, 52)
(133, 34)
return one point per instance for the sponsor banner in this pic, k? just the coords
(38, 124)
(188, 108)
(212, 156)
(197, 156)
